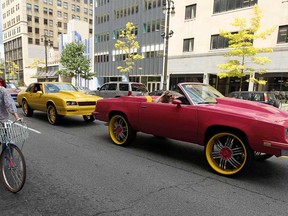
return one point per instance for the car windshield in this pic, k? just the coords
(11, 86)
(202, 94)
(138, 87)
(56, 87)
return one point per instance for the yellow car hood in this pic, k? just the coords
(74, 95)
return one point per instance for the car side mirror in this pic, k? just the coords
(177, 102)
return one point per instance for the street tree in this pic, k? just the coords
(12, 70)
(128, 46)
(243, 56)
(38, 63)
(2, 66)
(75, 63)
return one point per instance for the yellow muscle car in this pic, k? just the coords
(57, 99)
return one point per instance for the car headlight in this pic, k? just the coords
(71, 103)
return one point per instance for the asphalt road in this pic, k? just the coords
(74, 169)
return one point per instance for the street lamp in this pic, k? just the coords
(169, 9)
(46, 41)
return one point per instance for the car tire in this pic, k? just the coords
(27, 111)
(88, 118)
(120, 131)
(258, 156)
(228, 153)
(52, 115)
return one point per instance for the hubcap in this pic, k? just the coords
(52, 115)
(225, 153)
(119, 130)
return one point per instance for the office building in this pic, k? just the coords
(110, 18)
(196, 46)
(27, 24)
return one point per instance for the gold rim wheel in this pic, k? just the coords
(118, 130)
(226, 153)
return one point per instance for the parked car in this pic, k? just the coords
(57, 99)
(117, 89)
(13, 90)
(232, 131)
(258, 96)
(83, 89)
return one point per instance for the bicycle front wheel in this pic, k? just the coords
(13, 168)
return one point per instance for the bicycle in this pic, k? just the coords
(12, 162)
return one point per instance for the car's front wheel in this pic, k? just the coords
(228, 153)
(120, 130)
(27, 111)
(52, 115)
(88, 118)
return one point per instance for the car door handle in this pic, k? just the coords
(143, 106)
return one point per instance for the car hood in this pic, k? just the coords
(251, 109)
(13, 91)
(75, 95)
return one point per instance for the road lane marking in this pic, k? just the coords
(33, 130)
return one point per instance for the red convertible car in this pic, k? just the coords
(233, 131)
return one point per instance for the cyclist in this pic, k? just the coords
(7, 105)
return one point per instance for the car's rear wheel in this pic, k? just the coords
(227, 153)
(120, 130)
(52, 115)
(27, 111)
(258, 156)
(88, 118)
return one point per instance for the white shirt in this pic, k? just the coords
(7, 105)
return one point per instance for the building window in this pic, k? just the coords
(36, 19)
(65, 15)
(29, 29)
(188, 45)
(37, 41)
(227, 5)
(85, 10)
(65, 5)
(45, 10)
(36, 30)
(282, 34)
(29, 18)
(219, 42)
(59, 24)
(50, 11)
(36, 8)
(29, 6)
(50, 22)
(190, 12)
(59, 3)
(77, 8)
(30, 40)
(45, 21)
(59, 14)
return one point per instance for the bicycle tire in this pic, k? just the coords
(13, 168)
